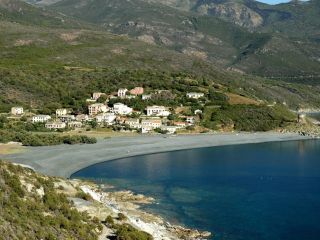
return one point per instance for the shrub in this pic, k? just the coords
(109, 220)
(84, 196)
(122, 217)
(127, 232)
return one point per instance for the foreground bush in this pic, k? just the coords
(24, 214)
(127, 232)
(47, 139)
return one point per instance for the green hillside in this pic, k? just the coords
(35, 63)
(268, 49)
(31, 208)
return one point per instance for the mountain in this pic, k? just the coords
(45, 62)
(268, 48)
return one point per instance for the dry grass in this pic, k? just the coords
(6, 149)
(237, 99)
(101, 133)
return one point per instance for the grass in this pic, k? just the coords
(6, 149)
(238, 99)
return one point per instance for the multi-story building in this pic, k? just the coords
(122, 92)
(108, 118)
(61, 112)
(67, 118)
(97, 108)
(40, 118)
(97, 95)
(153, 123)
(121, 109)
(133, 123)
(159, 111)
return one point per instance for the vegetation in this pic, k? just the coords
(26, 214)
(121, 217)
(127, 232)
(35, 134)
(271, 49)
(84, 196)
(31, 139)
(248, 117)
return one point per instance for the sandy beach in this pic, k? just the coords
(64, 160)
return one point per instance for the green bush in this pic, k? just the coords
(84, 196)
(122, 217)
(249, 117)
(109, 220)
(127, 232)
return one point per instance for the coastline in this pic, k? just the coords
(64, 160)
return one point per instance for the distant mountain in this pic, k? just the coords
(254, 15)
(21, 12)
(262, 40)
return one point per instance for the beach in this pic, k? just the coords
(64, 160)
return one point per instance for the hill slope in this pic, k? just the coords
(206, 36)
(31, 208)
(33, 72)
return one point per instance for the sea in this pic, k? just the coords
(259, 191)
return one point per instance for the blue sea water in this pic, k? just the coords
(248, 192)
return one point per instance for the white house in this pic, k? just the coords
(122, 109)
(195, 95)
(108, 118)
(133, 123)
(96, 108)
(40, 118)
(191, 120)
(56, 125)
(61, 111)
(97, 95)
(146, 96)
(82, 118)
(152, 123)
(17, 111)
(67, 118)
(169, 129)
(198, 111)
(146, 129)
(75, 124)
(122, 92)
(159, 111)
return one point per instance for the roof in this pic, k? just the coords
(41, 115)
(151, 120)
(195, 93)
(155, 106)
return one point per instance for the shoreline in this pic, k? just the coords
(65, 160)
(128, 203)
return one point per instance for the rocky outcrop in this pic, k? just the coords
(237, 13)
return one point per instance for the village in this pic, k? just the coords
(118, 116)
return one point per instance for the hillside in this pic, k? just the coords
(33, 60)
(31, 208)
(258, 42)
